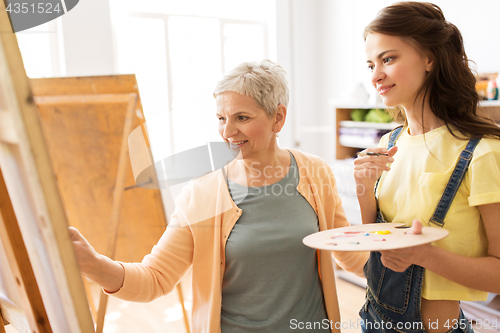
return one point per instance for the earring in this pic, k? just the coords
(277, 135)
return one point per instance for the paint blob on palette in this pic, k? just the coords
(372, 237)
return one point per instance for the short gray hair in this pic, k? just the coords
(265, 82)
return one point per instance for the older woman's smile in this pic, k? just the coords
(240, 116)
(237, 143)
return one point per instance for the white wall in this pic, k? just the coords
(477, 20)
(87, 37)
(303, 28)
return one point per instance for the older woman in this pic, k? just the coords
(241, 228)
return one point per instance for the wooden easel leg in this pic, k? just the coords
(117, 201)
(90, 298)
(184, 312)
(101, 313)
(2, 328)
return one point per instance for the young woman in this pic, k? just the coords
(446, 174)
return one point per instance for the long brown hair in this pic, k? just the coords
(450, 85)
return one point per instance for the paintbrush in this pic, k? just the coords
(370, 153)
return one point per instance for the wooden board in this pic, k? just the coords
(32, 188)
(372, 237)
(84, 121)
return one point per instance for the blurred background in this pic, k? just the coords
(179, 49)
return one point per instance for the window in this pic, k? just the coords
(178, 50)
(40, 50)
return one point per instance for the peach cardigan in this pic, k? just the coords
(196, 237)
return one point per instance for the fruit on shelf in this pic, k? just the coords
(378, 116)
(359, 114)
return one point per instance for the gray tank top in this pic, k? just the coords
(271, 280)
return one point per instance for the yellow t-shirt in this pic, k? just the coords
(412, 189)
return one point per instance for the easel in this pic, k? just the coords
(30, 201)
(34, 186)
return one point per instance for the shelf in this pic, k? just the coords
(357, 141)
(355, 105)
(489, 103)
(349, 145)
(362, 134)
(367, 124)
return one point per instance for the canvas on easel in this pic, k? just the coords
(32, 190)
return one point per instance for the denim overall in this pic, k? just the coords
(393, 299)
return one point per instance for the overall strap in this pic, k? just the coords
(392, 141)
(393, 137)
(451, 189)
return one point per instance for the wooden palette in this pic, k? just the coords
(372, 237)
